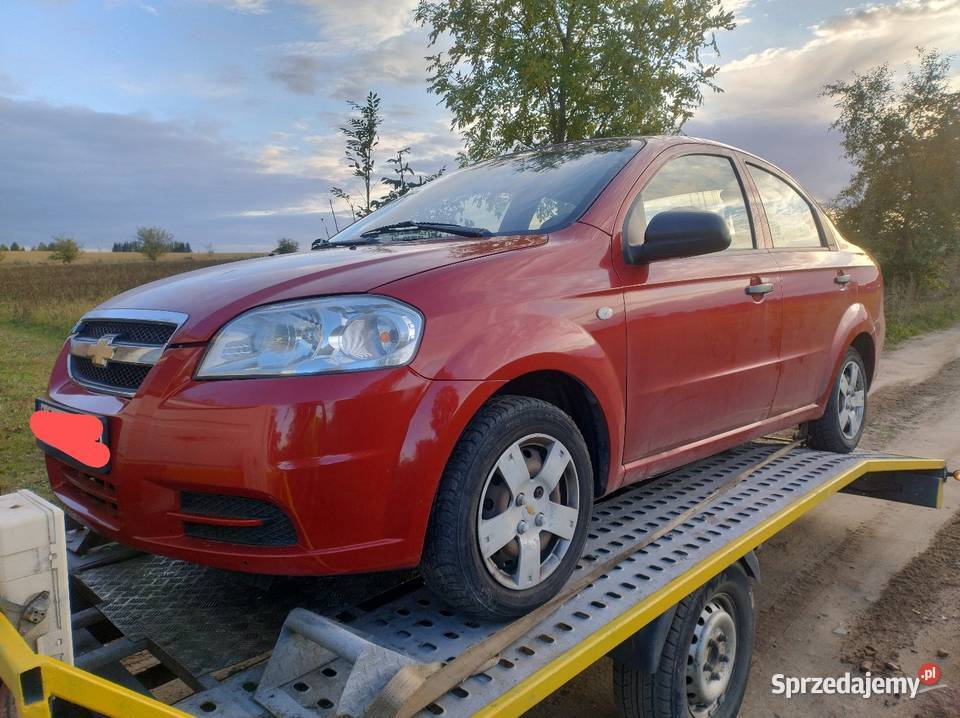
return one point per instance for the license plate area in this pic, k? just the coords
(51, 406)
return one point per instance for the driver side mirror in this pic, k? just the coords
(677, 233)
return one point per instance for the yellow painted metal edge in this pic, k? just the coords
(531, 691)
(71, 684)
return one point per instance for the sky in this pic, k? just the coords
(217, 119)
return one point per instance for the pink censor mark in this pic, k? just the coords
(76, 435)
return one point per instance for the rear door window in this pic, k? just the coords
(789, 215)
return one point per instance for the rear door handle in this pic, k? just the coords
(842, 279)
(762, 288)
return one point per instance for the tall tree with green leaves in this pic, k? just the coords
(521, 73)
(903, 138)
(362, 135)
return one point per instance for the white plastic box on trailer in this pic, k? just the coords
(33, 573)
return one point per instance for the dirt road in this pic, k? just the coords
(856, 581)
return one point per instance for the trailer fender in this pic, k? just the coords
(642, 650)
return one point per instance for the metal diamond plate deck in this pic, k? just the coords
(194, 613)
(419, 625)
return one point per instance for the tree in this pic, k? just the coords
(403, 182)
(362, 133)
(903, 201)
(286, 246)
(520, 73)
(154, 242)
(401, 168)
(16, 247)
(4, 248)
(64, 249)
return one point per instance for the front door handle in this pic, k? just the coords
(842, 279)
(762, 288)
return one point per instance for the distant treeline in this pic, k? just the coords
(137, 246)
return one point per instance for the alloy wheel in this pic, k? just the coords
(528, 513)
(850, 401)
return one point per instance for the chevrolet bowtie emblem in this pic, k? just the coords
(103, 350)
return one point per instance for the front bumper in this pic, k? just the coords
(350, 461)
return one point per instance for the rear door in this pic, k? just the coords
(702, 347)
(816, 283)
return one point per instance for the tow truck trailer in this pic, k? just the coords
(215, 644)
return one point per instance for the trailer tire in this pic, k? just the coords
(8, 708)
(672, 692)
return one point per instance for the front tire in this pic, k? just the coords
(510, 517)
(841, 426)
(705, 660)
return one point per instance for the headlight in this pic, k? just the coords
(315, 336)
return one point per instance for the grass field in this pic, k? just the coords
(40, 301)
(121, 257)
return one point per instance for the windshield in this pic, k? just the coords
(533, 191)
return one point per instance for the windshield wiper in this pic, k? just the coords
(330, 243)
(457, 229)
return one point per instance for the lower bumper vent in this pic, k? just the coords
(258, 523)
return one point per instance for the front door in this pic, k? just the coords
(703, 332)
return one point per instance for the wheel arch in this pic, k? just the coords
(856, 329)
(574, 397)
(864, 344)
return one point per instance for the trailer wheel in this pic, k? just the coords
(705, 661)
(8, 709)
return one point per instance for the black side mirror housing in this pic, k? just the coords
(678, 233)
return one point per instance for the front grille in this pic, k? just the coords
(114, 376)
(276, 529)
(134, 332)
(120, 375)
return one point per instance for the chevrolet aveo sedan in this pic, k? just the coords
(451, 381)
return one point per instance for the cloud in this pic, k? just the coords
(246, 7)
(781, 82)
(308, 68)
(97, 176)
(298, 73)
(8, 86)
(771, 102)
(229, 81)
(360, 23)
(356, 24)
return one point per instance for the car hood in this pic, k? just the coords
(212, 296)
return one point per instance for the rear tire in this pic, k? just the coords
(714, 623)
(511, 513)
(841, 426)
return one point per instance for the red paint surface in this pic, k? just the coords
(687, 366)
(929, 674)
(76, 435)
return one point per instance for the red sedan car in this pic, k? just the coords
(453, 380)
